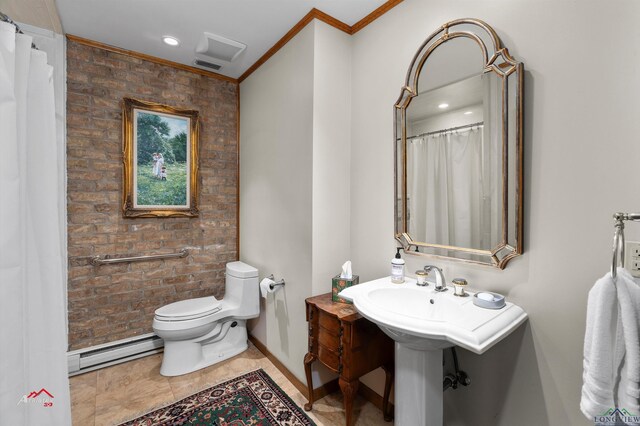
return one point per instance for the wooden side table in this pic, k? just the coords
(348, 344)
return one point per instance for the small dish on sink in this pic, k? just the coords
(488, 300)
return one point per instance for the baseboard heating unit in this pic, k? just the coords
(100, 356)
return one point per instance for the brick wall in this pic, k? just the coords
(108, 303)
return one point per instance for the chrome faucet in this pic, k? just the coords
(441, 284)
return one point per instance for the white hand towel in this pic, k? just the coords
(603, 349)
(629, 301)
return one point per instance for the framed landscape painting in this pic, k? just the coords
(160, 154)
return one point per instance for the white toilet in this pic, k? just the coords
(201, 332)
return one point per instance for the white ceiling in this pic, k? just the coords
(457, 95)
(138, 25)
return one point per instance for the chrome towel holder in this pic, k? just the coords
(106, 260)
(618, 239)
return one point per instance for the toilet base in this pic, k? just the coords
(186, 356)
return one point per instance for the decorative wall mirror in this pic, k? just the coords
(458, 148)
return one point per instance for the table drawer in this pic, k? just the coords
(329, 340)
(329, 358)
(329, 322)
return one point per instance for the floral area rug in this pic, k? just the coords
(250, 399)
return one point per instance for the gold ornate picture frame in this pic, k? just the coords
(160, 156)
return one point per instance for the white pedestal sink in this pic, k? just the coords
(423, 322)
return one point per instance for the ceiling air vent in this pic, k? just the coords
(218, 47)
(206, 64)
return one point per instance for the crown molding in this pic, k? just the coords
(321, 16)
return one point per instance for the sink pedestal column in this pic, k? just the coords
(418, 387)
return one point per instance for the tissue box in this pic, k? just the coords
(338, 284)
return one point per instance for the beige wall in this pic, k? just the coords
(294, 182)
(276, 134)
(581, 148)
(331, 154)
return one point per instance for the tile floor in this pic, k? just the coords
(115, 394)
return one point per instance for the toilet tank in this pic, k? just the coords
(242, 289)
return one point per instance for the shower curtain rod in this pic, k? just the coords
(5, 18)
(466, 126)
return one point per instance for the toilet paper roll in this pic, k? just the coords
(265, 287)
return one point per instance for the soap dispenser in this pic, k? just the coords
(397, 268)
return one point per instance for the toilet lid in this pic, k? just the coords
(189, 309)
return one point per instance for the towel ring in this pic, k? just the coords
(618, 239)
(618, 247)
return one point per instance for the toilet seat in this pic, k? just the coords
(189, 309)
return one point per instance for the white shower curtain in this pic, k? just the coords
(34, 386)
(445, 183)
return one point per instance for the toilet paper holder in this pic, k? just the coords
(275, 283)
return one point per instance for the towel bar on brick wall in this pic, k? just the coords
(106, 260)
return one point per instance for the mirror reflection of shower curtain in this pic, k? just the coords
(446, 189)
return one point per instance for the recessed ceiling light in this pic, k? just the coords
(170, 40)
(443, 106)
(468, 112)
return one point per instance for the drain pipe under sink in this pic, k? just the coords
(460, 377)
